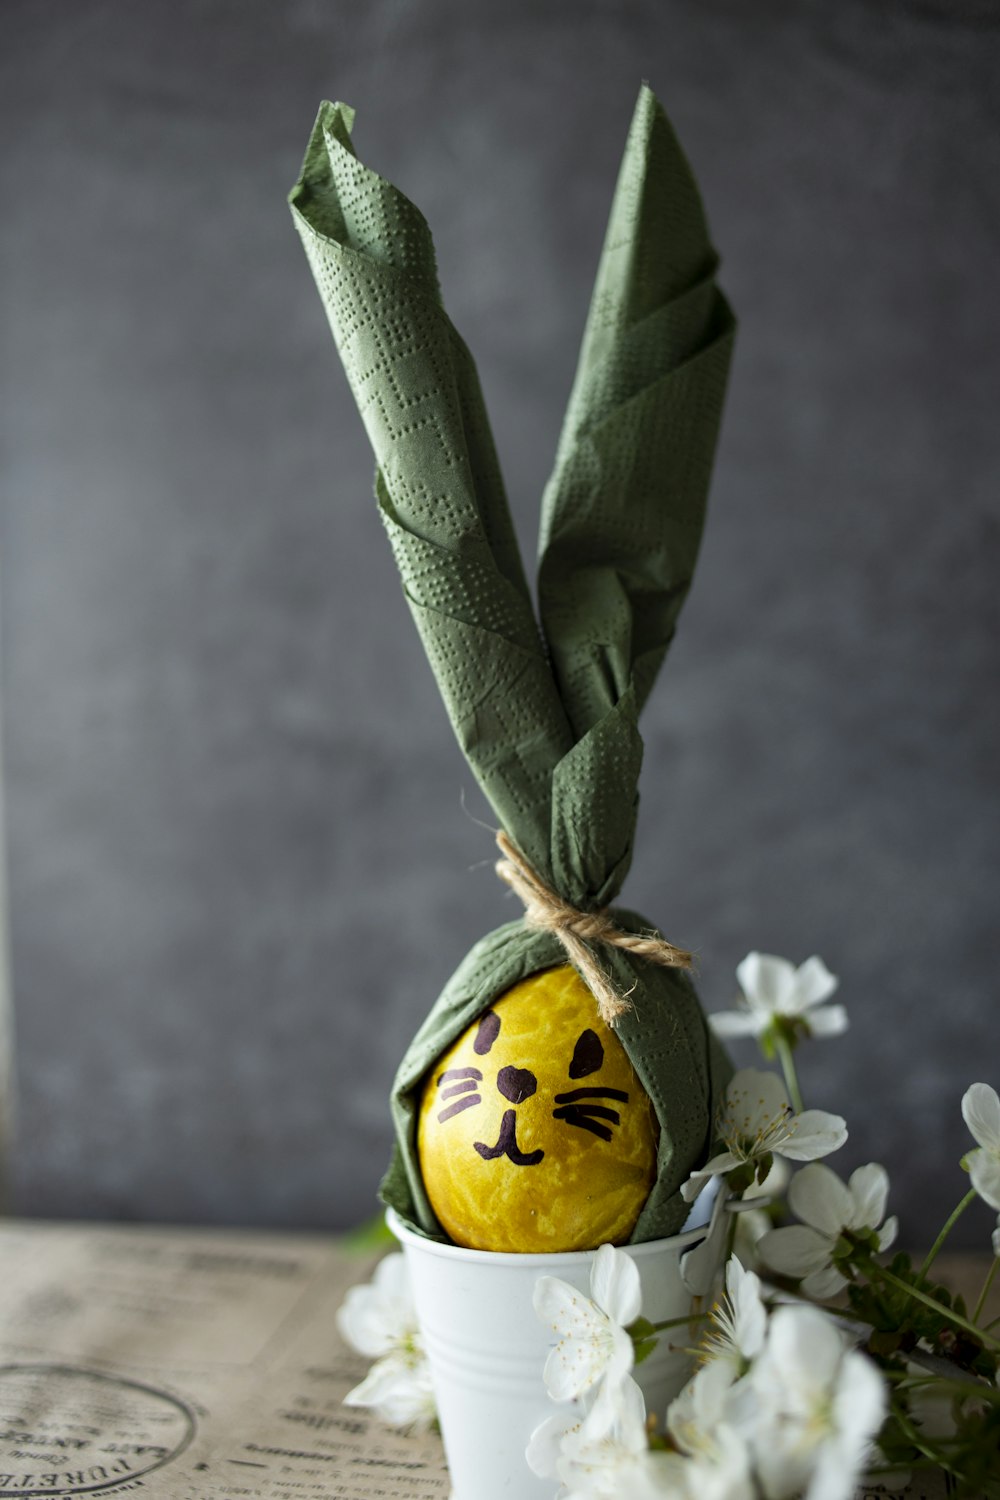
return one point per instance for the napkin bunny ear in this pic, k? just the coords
(623, 512)
(438, 483)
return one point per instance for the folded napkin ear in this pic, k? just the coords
(623, 511)
(622, 514)
(438, 484)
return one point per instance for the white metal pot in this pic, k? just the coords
(487, 1348)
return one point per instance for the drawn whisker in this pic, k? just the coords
(594, 1110)
(458, 1106)
(459, 1073)
(574, 1115)
(459, 1088)
(575, 1094)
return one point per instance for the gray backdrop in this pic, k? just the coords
(240, 863)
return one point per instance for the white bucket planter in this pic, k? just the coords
(487, 1348)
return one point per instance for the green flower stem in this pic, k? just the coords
(909, 1463)
(876, 1272)
(979, 1389)
(981, 1300)
(935, 1449)
(949, 1225)
(730, 1238)
(918, 1440)
(783, 1050)
(679, 1322)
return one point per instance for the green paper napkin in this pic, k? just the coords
(548, 719)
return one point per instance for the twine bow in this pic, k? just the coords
(579, 931)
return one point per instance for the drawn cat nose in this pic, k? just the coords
(516, 1084)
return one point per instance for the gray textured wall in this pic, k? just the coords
(239, 864)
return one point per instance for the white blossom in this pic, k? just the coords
(711, 1457)
(680, 1476)
(757, 1120)
(819, 1406)
(376, 1317)
(593, 1343)
(828, 1207)
(545, 1445)
(981, 1112)
(737, 1324)
(706, 1423)
(602, 1458)
(775, 992)
(398, 1391)
(379, 1320)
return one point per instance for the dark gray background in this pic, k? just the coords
(240, 867)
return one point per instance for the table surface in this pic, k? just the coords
(204, 1364)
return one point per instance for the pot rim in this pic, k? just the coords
(683, 1241)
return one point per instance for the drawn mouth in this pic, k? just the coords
(507, 1145)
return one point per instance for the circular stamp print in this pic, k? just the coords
(67, 1431)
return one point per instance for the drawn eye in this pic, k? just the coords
(577, 1111)
(588, 1055)
(463, 1081)
(487, 1033)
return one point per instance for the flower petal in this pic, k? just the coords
(981, 1112)
(573, 1367)
(732, 1023)
(380, 1380)
(824, 1284)
(813, 984)
(364, 1323)
(841, 1461)
(614, 1285)
(749, 1312)
(859, 1399)
(984, 1170)
(657, 1476)
(619, 1407)
(804, 1343)
(565, 1309)
(795, 1250)
(374, 1318)
(401, 1395)
(542, 1452)
(724, 1162)
(694, 1185)
(819, 1198)
(766, 980)
(754, 1100)
(618, 1366)
(887, 1234)
(392, 1277)
(828, 1020)
(694, 1414)
(751, 1228)
(869, 1187)
(814, 1133)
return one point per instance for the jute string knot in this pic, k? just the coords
(580, 931)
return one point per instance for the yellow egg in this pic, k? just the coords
(534, 1131)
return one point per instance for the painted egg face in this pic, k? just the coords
(534, 1132)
